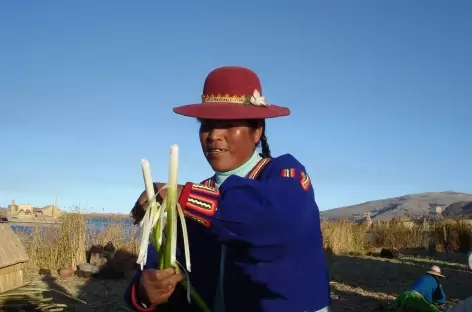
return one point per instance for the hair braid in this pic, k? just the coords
(265, 145)
(263, 142)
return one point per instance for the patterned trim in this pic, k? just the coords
(305, 180)
(198, 219)
(256, 171)
(200, 201)
(202, 204)
(288, 173)
(255, 99)
(206, 189)
(218, 98)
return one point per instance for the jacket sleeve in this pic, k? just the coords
(266, 212)
(442, 295)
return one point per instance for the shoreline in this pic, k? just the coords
(104, 215)
(26, 221)
(48, 220)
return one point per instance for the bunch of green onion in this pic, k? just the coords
(159, 226)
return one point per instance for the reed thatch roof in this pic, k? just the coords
(12, 250)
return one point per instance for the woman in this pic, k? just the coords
(255, 238)
(425, 295)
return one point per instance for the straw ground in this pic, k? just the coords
(360, 279)
(51, 248)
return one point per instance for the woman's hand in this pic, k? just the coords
(139, 209)
(156, 286)
(163, 193)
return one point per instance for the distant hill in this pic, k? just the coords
(457, 210)
(414, 206)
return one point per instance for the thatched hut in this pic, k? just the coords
(13, 256)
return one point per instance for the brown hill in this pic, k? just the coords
(414, 206)
(462, 210)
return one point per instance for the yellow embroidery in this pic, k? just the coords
(216, 98)
(258, 168)
(206, 189)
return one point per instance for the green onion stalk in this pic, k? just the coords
(159, 226)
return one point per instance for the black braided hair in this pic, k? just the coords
(263, 142)
(265, 145)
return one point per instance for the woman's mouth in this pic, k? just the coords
(215, 151)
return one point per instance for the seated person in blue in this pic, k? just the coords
(425, 295)
(254, 226)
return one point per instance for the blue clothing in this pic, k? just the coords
(219, 178)
(430, 288)
(270, 225)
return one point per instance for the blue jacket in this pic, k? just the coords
(270, 225)
(430, 288)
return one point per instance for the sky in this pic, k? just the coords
(380, 94)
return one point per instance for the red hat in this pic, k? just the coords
(232, 92)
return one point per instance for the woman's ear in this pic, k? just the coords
(258, 133)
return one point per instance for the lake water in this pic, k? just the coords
(92, 225)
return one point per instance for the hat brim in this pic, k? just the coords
(435, 274)
(231, 111)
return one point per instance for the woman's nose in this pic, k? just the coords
(215, 134)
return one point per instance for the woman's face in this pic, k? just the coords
(227, 144)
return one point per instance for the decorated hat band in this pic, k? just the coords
(254, 99)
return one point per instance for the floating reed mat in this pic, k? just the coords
(32, 298)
